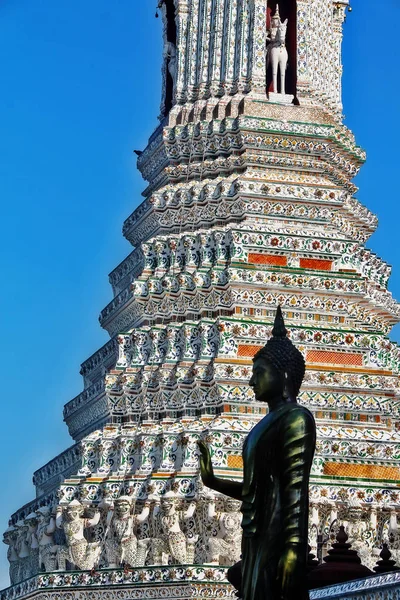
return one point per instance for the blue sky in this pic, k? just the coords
(80, 89)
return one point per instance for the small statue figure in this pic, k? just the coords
(45, 531)
(173, 541)
(78, 550)
(121, 540)
(10, 538)
(170, 57)
(23, 550)
(277, 458)
(225, 547)
(32, 523)
(277, 54)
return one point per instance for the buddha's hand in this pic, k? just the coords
(206, 468)
(291, 571)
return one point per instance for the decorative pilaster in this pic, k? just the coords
(196, 8)
(205, 47)
(339, 14)
(182, 25)
(216, 59)
(243, 55)
(258, 68)
(231, 46)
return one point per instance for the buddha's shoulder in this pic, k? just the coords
(296, 411)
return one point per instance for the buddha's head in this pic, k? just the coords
(279, 367)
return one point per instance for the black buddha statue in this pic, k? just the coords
(277, 458)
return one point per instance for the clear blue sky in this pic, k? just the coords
(80, 89)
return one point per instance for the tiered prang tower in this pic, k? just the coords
(249, 204)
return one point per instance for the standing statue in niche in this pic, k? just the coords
(277, 55)
(277, 458)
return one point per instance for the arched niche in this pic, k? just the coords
(287, 10)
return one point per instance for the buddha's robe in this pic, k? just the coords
(277, 458)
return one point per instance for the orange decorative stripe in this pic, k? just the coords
(248, 350)
(364, 471)
(267, 259)
(316, 263)
(334, 358)
(235, 461)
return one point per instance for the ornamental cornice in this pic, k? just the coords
(192, 249)
(126, 271)
(96, 365)
(335, 381)
(244, 123)
(176, 582)
(362, 589)
(174, 219)
(253, 160)
(363, 403)
(372, 451)
(93, 391)
(365, 494)
(206, 143)
(341, 295)
(189, 205)
(51, 474)
(88, 417)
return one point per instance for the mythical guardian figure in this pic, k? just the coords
(10, 538)
(78, 550)
(225, 547)
(45, 532)
(122, 546)
(172, 542)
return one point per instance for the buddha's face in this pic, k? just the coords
(266, 381)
